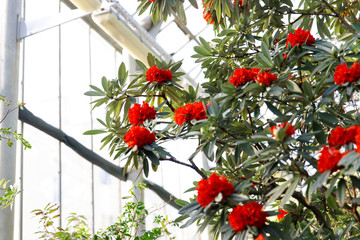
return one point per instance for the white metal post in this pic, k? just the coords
(10, 11)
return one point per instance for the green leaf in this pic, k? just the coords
(289, 192)
(122, 74)
(265, 51)
(181, 202)
(141, 65)
(341, 191)
(93, 132)
(355, 181)
(273, 109)
(292, 86)
(201, 50)
(153, 158)
(320, 134)
(189, 208)
(193, 3)
(320, 181)
(267, 63)
(94, 94)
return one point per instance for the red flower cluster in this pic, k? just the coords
(344, 74)
(250, 214)
(282, 214)
(189, 112)
(260, 237)
(139, 113)
(289, 131)
(158, 75)
(209, 189)
(300, 37)
(265, 78)
(329, 159)
(341, 136)
(139, 136)
(151, 0)
(207, 13)
(243, 75)
(240, 5)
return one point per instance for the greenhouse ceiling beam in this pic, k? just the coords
(31, 27)
(27, 117)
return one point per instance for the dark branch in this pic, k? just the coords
(27, 117)
(318, 214)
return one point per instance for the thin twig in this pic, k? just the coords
(339, 16)
(167, 102)
(192, 165)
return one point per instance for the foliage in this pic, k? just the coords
(127, 225)
(11, 191)
(275, 168)
(7, 133)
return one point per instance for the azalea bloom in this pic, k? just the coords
(341, 136)
(158, 75)
(290, 130)
(139, 113)
(282, 214)
(189, 112)
(265, 78)
(250, 214)
(138, 137)
(300, 37)
(329, 159)
(213, 187)
(243, 75)
(344, 74)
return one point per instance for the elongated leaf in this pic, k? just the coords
(289, 192)
(341, 191)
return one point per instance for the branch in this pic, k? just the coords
(318, 214)
(339, 16)
(167, 102)
(192, 165)
(27, 117)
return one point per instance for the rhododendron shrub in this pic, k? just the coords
(277, 115)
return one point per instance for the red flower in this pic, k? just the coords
(282, 214)
(300, 37)
(329, 159)
(207, 13)
(209, 189)
(243, 75)
(189, 112)
(151, 0)
(341, 136)
(284, 55)
(266, 78)
(250, 214)
(240, 5)
(344, 74)
(289, 131)
(158, 75)
(138, 114)
(260, 237)
(138, 136)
